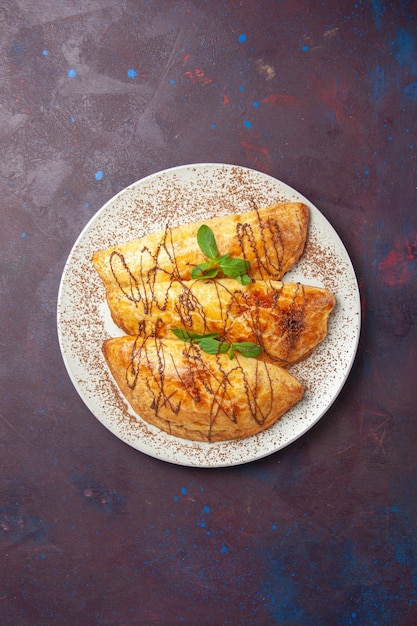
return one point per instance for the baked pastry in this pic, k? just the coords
(187, 393)
(287, 319)
(271, 238)
(174, 384)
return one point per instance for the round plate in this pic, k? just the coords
(175, 196)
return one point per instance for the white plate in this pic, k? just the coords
(184, 194)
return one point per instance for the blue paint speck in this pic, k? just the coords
(183, 491)
(274, 526)
(25, 236)
(224, 549)
(72, 73)
(73, 120)
(86, 205)
(247, 124)
(255, 105)
(172, 81)
(99, 175)
(242, 38)
(45, 53)
(241, 88)
(305, 48)
(213, 126)
(131, 73)
(206, 509)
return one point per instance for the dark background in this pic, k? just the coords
(98, 94)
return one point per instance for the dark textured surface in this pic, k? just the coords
(97, 94)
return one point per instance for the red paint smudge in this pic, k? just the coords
(226, 99)
(198, 76)
(256, 154)
(395, 269)
(184, 59)
(412, 249)
(250, 146)
(277, 99)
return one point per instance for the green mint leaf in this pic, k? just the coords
(246, 348)
(183, 334)
(215, 263)
(206, 265)
(188, 336)
(207, 242)
(244, 280)
(198, 272)
(213, 346)
(234, 267)
(221, 259)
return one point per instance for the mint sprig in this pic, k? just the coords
(215, 263)
(211, 343)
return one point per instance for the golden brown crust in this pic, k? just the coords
(287, 319)
(174, 385)
(271, 238)
(196, 396)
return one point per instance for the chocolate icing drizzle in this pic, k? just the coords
(264, 247)
(263, 244)
(244, 313)
(197, 376)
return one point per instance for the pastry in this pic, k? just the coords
(272, 239)
(187, 393)
(287, 319)
(187, 388)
